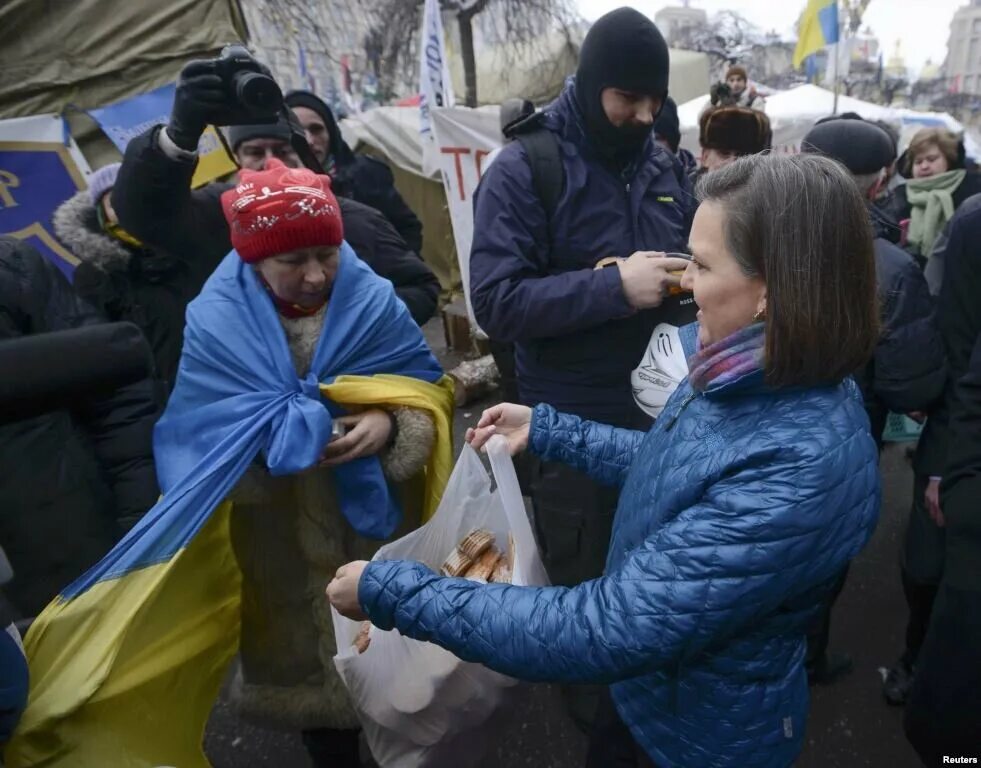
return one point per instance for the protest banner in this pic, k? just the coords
(127, 119)
(466, 140)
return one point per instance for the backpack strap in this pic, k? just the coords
(547, 173)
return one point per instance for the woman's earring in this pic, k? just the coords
(760, 315)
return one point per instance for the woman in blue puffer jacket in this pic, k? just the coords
(740, 508)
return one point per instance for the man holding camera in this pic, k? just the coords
(154, 201)
(736, 91)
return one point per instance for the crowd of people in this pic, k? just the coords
(695, 550)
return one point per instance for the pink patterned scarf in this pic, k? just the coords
(729, 359)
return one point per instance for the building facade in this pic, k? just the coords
(674, 21)
(963, 66)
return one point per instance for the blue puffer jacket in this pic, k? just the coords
(533, 279)
(739, 508)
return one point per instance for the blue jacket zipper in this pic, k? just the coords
(674, 416)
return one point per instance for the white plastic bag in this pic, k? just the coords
(661, 371)
(420, 705)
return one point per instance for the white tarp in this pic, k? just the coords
(793, 113)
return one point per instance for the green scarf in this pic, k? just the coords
(932, 205)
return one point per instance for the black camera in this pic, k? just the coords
(721, 95)
(249, 83)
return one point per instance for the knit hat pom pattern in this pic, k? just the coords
(280, 209)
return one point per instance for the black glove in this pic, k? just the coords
(201, 99)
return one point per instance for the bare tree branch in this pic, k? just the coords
(517, 26)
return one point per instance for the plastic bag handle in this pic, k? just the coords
(528, 567)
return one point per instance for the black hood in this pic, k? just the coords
(338, 147)
(623, 49)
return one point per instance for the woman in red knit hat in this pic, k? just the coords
(289, 532)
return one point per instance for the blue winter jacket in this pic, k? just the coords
(739, 509)
(533, 280)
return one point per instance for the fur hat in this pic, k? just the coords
(102, 181)
(281, 209)
(737, 70)
(735, 129)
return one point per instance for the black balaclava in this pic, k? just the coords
(623, 49)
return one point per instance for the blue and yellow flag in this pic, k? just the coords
(127, 662)
(818, 28)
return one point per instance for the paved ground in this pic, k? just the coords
(850, 725)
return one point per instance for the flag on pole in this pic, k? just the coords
(435, 87)
(818, 28)
(811, 68)
(838, 53)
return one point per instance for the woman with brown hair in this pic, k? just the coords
(937, 184)
(739, 508)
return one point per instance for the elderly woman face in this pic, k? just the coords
(727, 299)
(929, 161)
(303, 277)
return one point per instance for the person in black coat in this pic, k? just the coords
(907, 371)
(153, 199)
(125, 279)
(359, 177)
(74, 480)
(926, 548)
(944, 709)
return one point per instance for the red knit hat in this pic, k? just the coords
(279, 210)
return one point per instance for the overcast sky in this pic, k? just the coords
(922, 26)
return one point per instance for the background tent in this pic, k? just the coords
(89, 53)
(392, 134)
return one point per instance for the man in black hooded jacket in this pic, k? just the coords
(154, 202)
(358, 177)
(578, 286)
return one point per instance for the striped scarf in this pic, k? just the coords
(727, 360)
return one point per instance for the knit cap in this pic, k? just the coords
(280, 209)
(102, 181)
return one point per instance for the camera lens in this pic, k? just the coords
(258, 93)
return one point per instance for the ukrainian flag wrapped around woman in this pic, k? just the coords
(289, 335)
